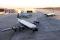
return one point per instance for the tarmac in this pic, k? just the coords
(48, 28)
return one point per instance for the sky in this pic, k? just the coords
(29, 3)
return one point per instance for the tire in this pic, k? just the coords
(36, 29)
(47, 15)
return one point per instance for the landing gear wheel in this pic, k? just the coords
(21, 28)
(14, 30)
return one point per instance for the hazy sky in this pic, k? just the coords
(29, 3)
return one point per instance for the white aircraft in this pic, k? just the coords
(27, 25)
(50, 14)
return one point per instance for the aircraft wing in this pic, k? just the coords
(26, 23)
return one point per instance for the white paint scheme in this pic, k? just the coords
(50, 13)
(28, 24)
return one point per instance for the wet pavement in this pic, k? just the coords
(49, 28)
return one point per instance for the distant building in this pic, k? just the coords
(5, 10)
(25, 10)
(1, 11)
(30, 10)
(10, 11)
